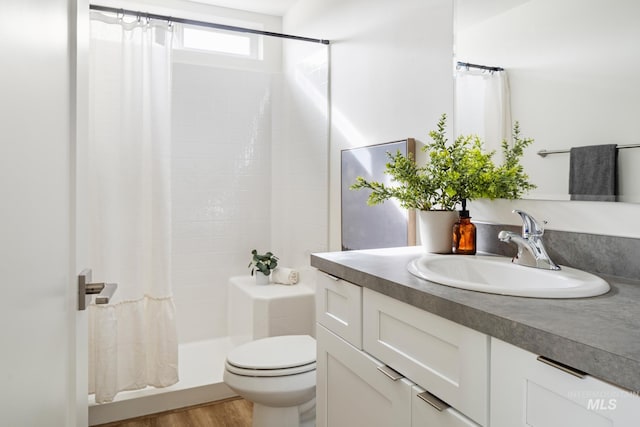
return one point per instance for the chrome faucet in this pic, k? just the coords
(531, 251)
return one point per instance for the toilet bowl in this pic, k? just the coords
(277, 374)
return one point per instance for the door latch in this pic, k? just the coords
(86, 290)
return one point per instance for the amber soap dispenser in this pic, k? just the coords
(464, 233)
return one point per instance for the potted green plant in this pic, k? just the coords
(453, 172)
(261, 265)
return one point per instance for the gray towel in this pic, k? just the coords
(593, 173)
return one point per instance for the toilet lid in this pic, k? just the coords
(274, 353)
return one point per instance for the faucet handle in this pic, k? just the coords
(530, 226)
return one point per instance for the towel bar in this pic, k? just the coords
(545, 153)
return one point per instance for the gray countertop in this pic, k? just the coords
(598, 335)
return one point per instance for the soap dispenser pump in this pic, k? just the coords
(464, 233)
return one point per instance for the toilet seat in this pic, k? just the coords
(270, 372)
(273, 357)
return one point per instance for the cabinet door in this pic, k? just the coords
(429, 411)
(351, 391)
(448, 359)
(528, 392)
(339, 308)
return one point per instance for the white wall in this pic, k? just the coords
(198, 11)
(391, 78)
(221, 192)
(391, 72)
(299, 207)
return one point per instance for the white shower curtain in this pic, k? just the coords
(132, 340)
(483, 106)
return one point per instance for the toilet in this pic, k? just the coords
(274, 362)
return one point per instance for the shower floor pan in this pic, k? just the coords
(201, 367)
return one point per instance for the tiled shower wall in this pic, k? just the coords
(221, 172)
(248, 171)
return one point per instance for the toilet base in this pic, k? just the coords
(269, 416)
(308, 413)
(290, 416)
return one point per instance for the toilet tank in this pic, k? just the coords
(260, 311)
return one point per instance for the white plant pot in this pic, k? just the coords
(261, 279)
(436, 230)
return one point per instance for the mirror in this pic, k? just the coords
(573, 69)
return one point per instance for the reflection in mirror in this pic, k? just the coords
(571, 77)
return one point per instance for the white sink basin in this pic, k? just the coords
(497, 275)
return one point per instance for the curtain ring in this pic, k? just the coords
(120, 14)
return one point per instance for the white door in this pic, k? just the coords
(79, 329)
(38, 299)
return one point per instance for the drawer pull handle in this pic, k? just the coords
(564, 368)
(392, 374)
(433, 401)
(334, 278)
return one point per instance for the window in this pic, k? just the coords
(209, 40)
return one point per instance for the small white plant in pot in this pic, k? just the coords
(262, 265)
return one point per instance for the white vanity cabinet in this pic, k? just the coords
(382, 362)
(528, 392)
(356, 387)
(351, 391)
(448, 359)
(339, 308)
(428, 411)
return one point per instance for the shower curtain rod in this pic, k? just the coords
(202, 23)
(481, 67)
(545, 153)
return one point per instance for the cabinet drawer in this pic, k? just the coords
(448, 359)
(423, 414)
(528, 392)
(351, 391)
(339, 308)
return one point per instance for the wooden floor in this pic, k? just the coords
(235, 412)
